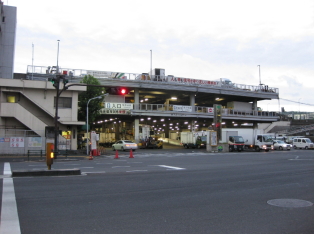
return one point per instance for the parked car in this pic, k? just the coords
(302, 143)
(281, 145)
(124, 145)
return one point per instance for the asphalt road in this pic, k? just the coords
(171, 192)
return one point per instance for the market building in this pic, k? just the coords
(160, 106)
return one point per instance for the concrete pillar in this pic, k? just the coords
(255, 105)
(136, 98)
(137, 120)
(192, 101)
(137, 130)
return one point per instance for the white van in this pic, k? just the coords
(302, 143)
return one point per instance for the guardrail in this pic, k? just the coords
(44, 71)
(201, 109)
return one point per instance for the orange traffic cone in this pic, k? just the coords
(117, 156)
(131, 154)
(90, 155)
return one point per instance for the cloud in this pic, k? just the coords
(203, 40)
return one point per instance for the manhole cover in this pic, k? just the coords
(292, 203)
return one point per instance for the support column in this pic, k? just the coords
(137, 130)
(136, 120)
(136, 99)
(192, 101)
(255, 105)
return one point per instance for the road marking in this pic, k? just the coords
(93, 172)
(119, 166)
(87, 167)
(136, 170)
(9, 217)
(171, 168)
(297, 158)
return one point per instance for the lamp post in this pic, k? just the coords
(98, 97)
(151, 62)
(58, 58)
(57, 106)
(299, 108)
(259, 73)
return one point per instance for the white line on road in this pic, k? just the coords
(171, 168)
(9, 217)
(136, 170)
(93, 172)
(119, 166)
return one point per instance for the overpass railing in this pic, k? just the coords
(78, 74)
(200, 109)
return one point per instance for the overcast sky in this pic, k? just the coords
(194, 39)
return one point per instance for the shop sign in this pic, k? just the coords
(118, 106)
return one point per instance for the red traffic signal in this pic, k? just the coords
(118, 91)
(123, 91)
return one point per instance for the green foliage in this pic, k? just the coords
(94, 105)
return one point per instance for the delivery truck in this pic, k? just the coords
(193, 139)
(254, 139)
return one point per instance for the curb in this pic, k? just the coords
(59, 172)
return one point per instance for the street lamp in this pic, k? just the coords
(299, 108)
(98, 97)
(259, 72)
(58, 58)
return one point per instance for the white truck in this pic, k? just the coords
(235, 142)
(193, 139)
(253, 138)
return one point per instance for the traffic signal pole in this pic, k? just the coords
(57, 86)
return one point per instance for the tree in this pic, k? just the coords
(94, 105)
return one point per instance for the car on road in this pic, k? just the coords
(281, 145)
(303, 143)
(124, 145)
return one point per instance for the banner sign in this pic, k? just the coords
(118, 106)
(182, 108)
(16, 141)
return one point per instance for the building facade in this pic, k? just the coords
(27, 107)
(7, 40)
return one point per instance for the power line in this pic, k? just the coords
(297, 102)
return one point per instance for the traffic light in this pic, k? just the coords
(49, 155)
(65, 81)
(123, 91)
(117, 91)
(55, 81)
